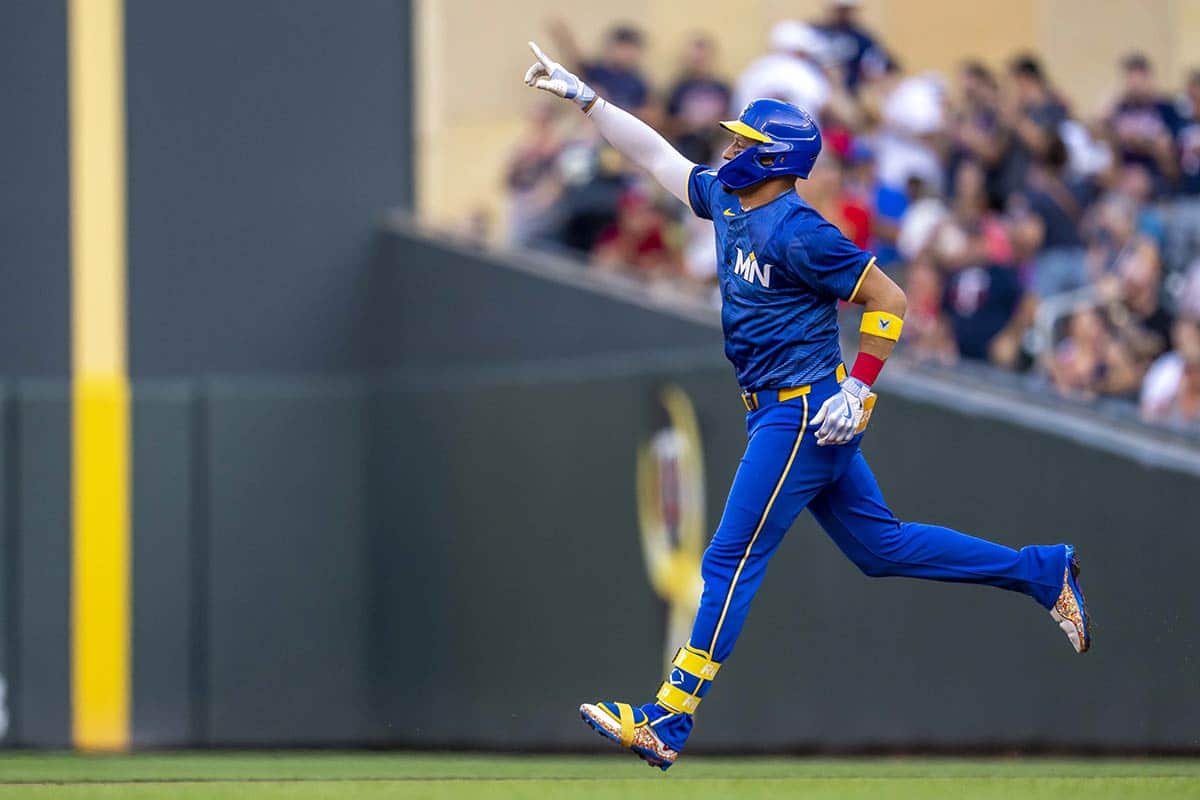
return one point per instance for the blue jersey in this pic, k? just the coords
(782, 270)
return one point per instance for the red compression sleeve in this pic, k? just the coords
(866, 368)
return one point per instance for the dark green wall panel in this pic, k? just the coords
(41, 680)
(8, 526)
(287, 616)
(165, 621)
(498, 516)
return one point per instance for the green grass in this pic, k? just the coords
(255, 775)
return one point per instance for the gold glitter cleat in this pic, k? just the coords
(629, 727)
(1070, 610)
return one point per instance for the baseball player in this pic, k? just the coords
(783, 270)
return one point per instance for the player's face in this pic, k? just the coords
(736, 146)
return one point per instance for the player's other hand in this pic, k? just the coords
(551, 76)
(844, 414)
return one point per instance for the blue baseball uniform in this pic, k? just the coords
(782, 271)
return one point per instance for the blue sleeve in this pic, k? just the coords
(820, 256)
(700, 185)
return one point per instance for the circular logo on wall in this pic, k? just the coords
(670, 489)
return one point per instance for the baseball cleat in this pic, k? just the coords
(1070, 610)
(629, 727)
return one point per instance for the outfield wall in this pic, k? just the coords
(522, 568)
(443, 549)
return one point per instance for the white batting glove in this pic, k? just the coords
(551, 76)
(844, 414)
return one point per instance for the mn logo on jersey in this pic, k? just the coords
(748, 269)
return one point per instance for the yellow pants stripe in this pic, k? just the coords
(762, 520)
(100, 563)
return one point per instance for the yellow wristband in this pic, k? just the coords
(882, 324)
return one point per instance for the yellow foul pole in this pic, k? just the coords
(100, 560)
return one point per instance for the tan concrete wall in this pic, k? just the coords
(472, 56)
(1081, 41)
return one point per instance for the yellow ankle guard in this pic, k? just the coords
(698, 670)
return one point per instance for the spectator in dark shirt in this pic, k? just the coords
(1143, 123)
(982, 295)
(617, 74)
(980, 302)
(1034, 113)
(1047, 216)
(1183, 231)
(1134, 304)
(594, 183)
(977, 131)
(1188, 119)
(850, 47)
(697, 101)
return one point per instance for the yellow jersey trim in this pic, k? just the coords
(861, 278)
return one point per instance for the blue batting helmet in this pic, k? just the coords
(787, 143)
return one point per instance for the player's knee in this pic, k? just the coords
(716, 563)
(873, 567)
(873, 562)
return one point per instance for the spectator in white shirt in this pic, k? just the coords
(791, 71)
(1171, 388)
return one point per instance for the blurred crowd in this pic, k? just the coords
(1027, 236)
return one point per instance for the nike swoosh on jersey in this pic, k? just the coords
(729, 213)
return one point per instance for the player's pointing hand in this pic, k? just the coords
(550, 76)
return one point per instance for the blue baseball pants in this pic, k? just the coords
(783, 472)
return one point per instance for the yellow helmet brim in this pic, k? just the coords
(742, 129)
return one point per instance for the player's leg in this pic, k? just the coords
(780, 472)
(853, 512)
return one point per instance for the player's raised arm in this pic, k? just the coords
(633, 138)
(884, 304)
